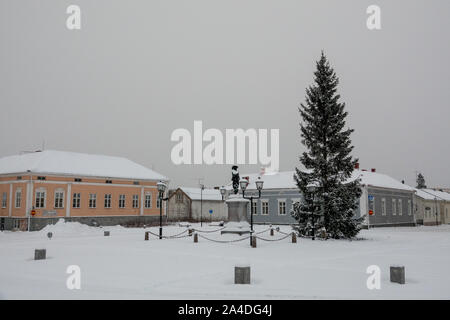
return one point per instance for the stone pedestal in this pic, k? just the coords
(40, 254)
(242, 275)
(237, 215)
(398, 274)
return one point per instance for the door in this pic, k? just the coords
(2, 224)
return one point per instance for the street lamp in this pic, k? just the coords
(161, 186)
(312, 188)
(202, 187)
(259, 185)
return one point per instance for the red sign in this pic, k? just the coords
(33, 212)
(370, 212)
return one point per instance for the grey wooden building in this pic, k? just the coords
(389, 202)
(194, 204)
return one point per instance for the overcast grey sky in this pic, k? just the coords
(137, 70)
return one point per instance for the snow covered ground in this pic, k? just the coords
(124, 266)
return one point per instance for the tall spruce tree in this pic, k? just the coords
(420, 181)
(328, 162)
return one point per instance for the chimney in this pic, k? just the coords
(374, 170)
(357, 165)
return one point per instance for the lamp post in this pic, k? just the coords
(259, 185)
(161, 186)
(312, 188)
(202, 187)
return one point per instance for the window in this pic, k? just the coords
(77, 179)
(136, 183)
(282, 207)
(122, 201)
(383, 206)
(179, 197)
(18, 197)
(16, 224)
(135, 201)
(4, 197)
(107, 200)
(108, 181)
(92, 200)
(59, 199)
(19, 178)
(40, 198)
(409, 208)
(148, 201)
(400, 207)
(158, 202)
(394, 207)
(264, 207)
(41, 178)
(76, 201)
(254, 208)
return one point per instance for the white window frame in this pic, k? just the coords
(122, 203)
(279, 207)
(264, 201)
(76, 200)
(61, 199)
(92, 201)
(4, 199)
(158, 202)
(383, 206)
(135, 201)
(148, 200)
(42, 204)
(254, 208)
(409, 207)
(18, 198)
(394, 207)
(400, 207)
(107, 203)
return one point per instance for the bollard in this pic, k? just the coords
(294, 237)
(271, 232)
(40, 254)
(398, 274)
(253, 241)
(146, 235)
(195, 237)
(242, 275)
(106, 233)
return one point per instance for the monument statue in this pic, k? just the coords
(237, 208)
(235, 179)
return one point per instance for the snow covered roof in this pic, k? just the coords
(375, 179)
(76, 164)
(207, 194)
(285, 180)
(429, 194)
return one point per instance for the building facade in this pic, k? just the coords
(384, 200)
(432, 207)
(39, 188)
(194, 204)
